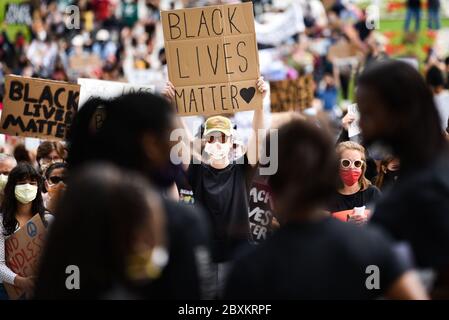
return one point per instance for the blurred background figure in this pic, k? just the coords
(436, 81)
(55, 183)
(413, 14)
(50, 152)
(120, 255)
(7, 163)
(398, 111)
(388, 173)
(143, 145)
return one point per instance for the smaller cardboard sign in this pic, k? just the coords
(84, 63)
(23, 250)
(260, 213)
(92, 88)
(346, 214)
(342, 50)
(291, 95)
(38, 108)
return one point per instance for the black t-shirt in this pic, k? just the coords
(224, 196)
(414, 3)
(359, 199)
(316, 260)
(416, 210)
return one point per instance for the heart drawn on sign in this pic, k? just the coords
(247, 94)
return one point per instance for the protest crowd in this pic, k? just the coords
(200, 149)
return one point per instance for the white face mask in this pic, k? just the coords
(25, 193)
(217, 150)
(3, 181)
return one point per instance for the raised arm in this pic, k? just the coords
(189, 140)
(258, 123)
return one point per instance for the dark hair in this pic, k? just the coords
(307, 174)
(22, 171)
(96, 234)
(435, 77)
(21, 154)
(406, 96)
(112, 130)
(47, 147)
(54, 166)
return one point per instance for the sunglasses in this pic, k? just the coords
(346, 163)
(56, 180)
(222, 138)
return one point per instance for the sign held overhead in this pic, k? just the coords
(212, 59)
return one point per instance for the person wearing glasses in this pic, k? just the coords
(356, 191)
(50, 152)
(55, 183)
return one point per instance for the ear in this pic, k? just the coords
(47, 187)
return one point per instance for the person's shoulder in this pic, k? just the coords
(372, 190)
(349, 234)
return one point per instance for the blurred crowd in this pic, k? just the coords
(362, 173)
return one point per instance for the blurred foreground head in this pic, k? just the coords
(131, 131)
(397, 109)
(307, 173)
(110, 225)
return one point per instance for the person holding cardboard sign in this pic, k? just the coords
(221, 184)
(21, 202)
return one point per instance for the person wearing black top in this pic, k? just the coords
(433, 7)
(355, 190)
(126, 133)
(313, 256)
(221, 184)
(413, 12)
(397, 110)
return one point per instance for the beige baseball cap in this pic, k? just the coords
(218, 124)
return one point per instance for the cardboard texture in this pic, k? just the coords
(38, 108)
(107, 89)
(291, 95)
(342, 50)
(85, 63)
(212, 59)
(23, 250)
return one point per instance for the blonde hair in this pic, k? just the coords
(351, 145)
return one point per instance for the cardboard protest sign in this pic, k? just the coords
(92, 88)
(212, 59)
(38, 108)
(23, 250)
(260, 215)
(342, 50)
(291, 95)
(84, 63)
(346, 214)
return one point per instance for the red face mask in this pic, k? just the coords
(350, 176)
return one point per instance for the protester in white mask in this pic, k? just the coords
(220, 184)
(22, 200)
